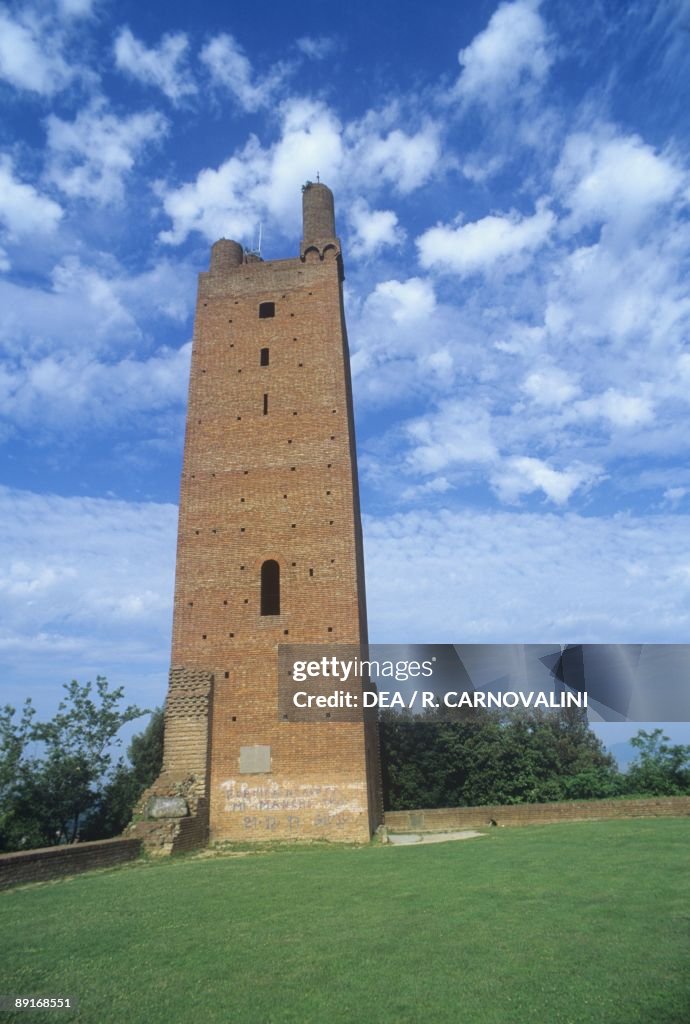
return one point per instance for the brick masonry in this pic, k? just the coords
(58, 861)
(269, 473)
(449, 818)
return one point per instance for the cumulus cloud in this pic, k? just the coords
(163, 66)
(30, 58)
(231, 199)
(458, 433)
(480, 245)
(74, 391)
(260, 182)
(402, 159)
(230, 68)
(550, 386)
(94, 309)
(520, 475)
(607, 177)
(403, 301)
(23, 210)
(90, 157)
(619, 409)
(512, 53)
(373, 229)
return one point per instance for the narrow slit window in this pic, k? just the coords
(266, 310)
(265, 405)
(264, 357)
(270, 588)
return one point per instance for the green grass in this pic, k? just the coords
(580, 923)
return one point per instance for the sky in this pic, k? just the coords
(512, 187)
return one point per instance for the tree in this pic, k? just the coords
(491, 758)
(116, 801)
(47, 796)
(660, 769)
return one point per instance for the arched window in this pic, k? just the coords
(270, 588)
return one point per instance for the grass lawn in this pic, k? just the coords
(578, 923)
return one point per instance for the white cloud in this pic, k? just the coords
(30, 58)
(458, 433)
(373, 229)
(219, 203)
(231, 69)
(163, 66)
(92, 309)
(376, 155)
(257, 182)
(23, 210)
(77, 392)
(520, 475)
(504, 577)
(85, 588)
(403, 301)
(316, 47)
(513, 52)
(550, 386)
(76, 8)
(480, 245)
(619, 409)
(674, 495)
(613, 178)
(90, 157)
(438, 485)
(311, 142)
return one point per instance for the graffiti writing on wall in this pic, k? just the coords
(328, 800)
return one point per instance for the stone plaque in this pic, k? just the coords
(167, 807)
(254, 760)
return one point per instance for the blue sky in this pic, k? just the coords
(512, 189)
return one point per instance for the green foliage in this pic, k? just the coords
(113, 809)
(51, 773)
(660, 769)
(527, 756)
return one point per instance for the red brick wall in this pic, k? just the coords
(57, 861)
(448, 818)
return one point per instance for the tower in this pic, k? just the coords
(269, 553)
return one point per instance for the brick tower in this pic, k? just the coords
(269, 552)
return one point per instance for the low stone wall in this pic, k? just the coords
(58, 861)
(449, 818)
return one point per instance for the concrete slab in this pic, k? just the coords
(413, 838)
